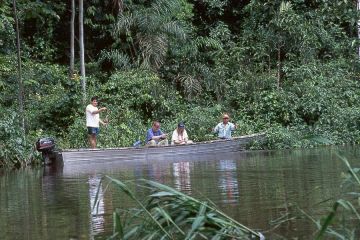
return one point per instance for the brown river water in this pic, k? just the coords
(260, 189)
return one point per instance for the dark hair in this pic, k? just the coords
(94, 98)
(181, 125)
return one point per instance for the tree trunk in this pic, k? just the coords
(358, 25)
(72, 39)
(20, 82)
(120, 5)
(279, 68)
(82, 48)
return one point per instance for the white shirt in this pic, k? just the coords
(177, 137)
(92, 120)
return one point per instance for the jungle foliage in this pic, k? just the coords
(286, 67)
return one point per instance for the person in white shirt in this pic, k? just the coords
(225, 128)
(180, 135)
(93, 119)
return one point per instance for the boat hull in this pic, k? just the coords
(108, 155)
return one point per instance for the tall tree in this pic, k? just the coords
(82, 47)
(72, 39)
(358, 25)
(20, 82)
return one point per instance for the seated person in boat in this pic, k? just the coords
(155, 137)
(180, 135)
(224, 128)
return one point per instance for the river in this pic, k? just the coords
(260, 189)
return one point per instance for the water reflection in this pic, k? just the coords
(227, 183)
(181, 173)
(48, 186)
(158, 171)
(255, 188)
(97, 205)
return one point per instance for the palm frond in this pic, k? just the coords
(153, 49)
(191, 84)
(194, 47)
(285, 7)
(118, 59)
(173, 28)
(150, 29)
(205, 42)
(166, 7)
(124, 24)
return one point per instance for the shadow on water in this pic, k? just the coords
(258, 189)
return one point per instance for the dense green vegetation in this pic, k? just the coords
(288, 67)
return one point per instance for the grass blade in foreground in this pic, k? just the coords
(169, 214)
(344, 231)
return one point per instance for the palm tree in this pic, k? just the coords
(149, 31)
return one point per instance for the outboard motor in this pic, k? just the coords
(46, 146)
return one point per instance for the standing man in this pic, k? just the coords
(93, 119)
(224, 128)
(155, 137)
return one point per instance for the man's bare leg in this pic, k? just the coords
(92, 140)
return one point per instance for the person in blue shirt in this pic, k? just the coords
(224, 128)
(155, 137)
